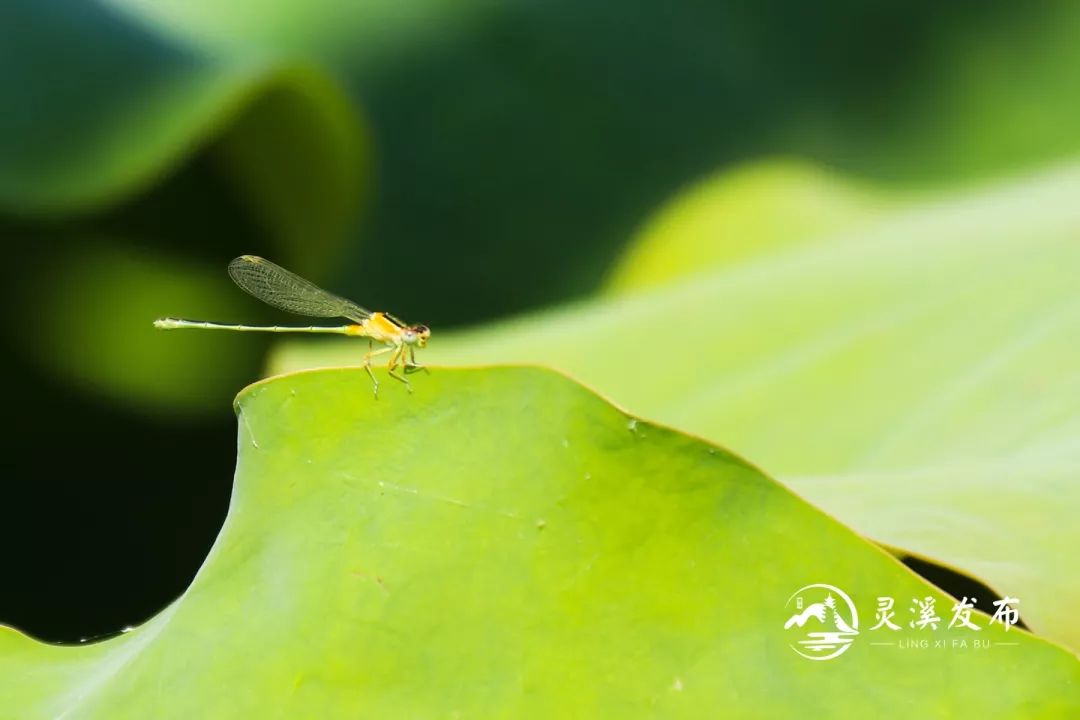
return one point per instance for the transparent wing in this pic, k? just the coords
(276, 286)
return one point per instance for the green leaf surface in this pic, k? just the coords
(503, 543)
(915, 377)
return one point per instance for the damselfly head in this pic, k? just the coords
(417, 335)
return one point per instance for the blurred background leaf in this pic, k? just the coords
(117, 141)
(521, 143)
(742, 215)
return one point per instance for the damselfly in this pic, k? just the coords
(276, 286)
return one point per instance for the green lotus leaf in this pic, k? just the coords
(915, 377)
(505, 543)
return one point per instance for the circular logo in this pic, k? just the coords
(826, 618)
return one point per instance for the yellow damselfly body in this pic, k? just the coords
(276, 286)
